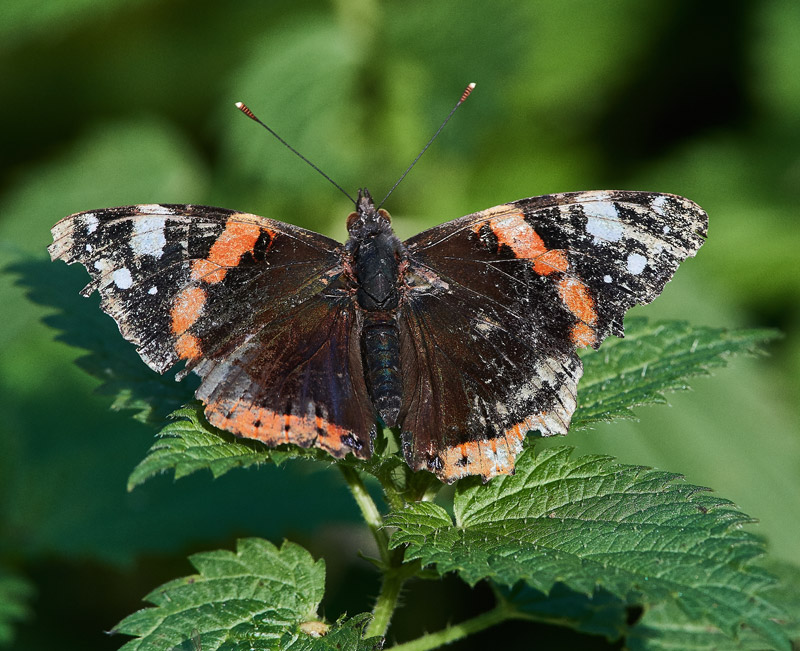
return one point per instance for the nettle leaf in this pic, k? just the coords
(591, 523)
(665, 627)
(190, 444)
(654, 358)
(259, 597)
(14, 595)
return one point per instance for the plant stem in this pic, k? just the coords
(455, 632)
(391, 493)
(385, 605)
(395, 572)
(368, 510)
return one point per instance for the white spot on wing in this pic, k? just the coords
(636, 263)
(659, 205)
(602, 221)
(122, 278)
(153, 290)
(89, 248)
(154, 209)
(665, 230)
(91, 222)
(595, 195)
(148, 236)
(607, 278)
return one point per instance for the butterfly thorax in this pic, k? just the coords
(375, 252)
(375, 265)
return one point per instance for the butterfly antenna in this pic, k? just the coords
(243, 108)
(464, 96)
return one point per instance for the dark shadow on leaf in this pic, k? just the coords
(599, 614)
(113, 361)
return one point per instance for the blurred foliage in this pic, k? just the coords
(14, 595)
(115, 103)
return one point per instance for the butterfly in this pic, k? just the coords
(463, 337)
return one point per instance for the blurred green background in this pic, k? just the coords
(111, 103)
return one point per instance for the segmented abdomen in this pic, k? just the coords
(381, 348)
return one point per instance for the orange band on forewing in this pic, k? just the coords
(513, 231)
(188, 346)
(237, 239)
(551, 261)
(207, 271)
(187, 309)
(582, 334)
(575, 295)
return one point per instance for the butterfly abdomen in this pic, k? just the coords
(381, 351)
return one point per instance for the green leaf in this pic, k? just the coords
(191, 444)
(260, 597)
(14, 594)
(590, 523)
(651, 359)
(787, 594)
(665, 627)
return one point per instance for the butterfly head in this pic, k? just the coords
(367, 219)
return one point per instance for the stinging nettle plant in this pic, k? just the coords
(583, 542)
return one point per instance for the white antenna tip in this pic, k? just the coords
(467, 91)
(243, 108)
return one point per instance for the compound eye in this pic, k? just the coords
(351, 219)
(385, 215)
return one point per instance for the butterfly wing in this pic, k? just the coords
(498, 301)
(207, 285)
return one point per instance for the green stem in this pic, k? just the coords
(395, 571)
(386, 603)
(368, 510)
(391, 493)
(457, 631)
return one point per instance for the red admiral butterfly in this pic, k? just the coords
(464, 336)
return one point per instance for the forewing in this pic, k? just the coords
(195, 283)
(530, 280)
(606, 250)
